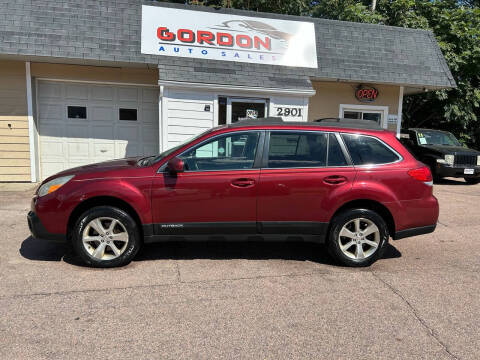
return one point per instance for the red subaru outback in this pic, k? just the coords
(349, 185)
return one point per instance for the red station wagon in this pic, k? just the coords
(351, 185)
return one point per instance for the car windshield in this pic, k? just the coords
(175, 148)
(431, 137)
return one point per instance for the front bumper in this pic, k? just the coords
(38, 231)
(443, 170)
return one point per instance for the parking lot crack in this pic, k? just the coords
(258, 277)
(179, 278)
(416, 314)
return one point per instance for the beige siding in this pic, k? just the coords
(14, 141)
(10, 178)
(329, 96)
(95, 73)
(14, 162)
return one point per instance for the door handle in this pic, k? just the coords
(243, 183)
(335, 179)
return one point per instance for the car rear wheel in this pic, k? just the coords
(472, 181)
(357, 237)
(106, 236)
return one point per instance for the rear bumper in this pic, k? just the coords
(414, 232)
(38, 231)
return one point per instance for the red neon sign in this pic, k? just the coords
(366, 93)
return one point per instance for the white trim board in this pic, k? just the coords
(400, 110)
(97, 82)
(31, 124)
(222, 87)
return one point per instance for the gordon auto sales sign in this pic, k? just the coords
(205, 35)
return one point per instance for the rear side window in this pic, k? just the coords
(366, 150)
(297, 150)
(335, 153)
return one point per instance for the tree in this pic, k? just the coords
(456, 25)
(291, 7)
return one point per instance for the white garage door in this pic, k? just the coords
(86, 123)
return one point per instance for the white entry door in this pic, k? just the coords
(82, 123)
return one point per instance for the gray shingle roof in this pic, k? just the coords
(100, 31)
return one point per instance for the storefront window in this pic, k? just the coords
(363, 115)
(247, 110)
(232, 109)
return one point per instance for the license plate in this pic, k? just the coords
(469, 171)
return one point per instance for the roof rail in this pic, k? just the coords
(350, 123)
(327, 119)
(327, 122)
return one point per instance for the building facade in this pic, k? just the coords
(82, 82)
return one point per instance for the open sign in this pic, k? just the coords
(366, 93)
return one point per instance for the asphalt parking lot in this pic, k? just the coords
(245, 300)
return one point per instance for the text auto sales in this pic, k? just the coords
(246, 47)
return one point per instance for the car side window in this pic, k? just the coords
(368, 150)
(297, 149)
(335, 153)
(228, 152)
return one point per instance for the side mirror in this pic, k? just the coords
(175, 165)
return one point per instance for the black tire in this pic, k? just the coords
(344, 218)
(126, 222)
(436, 178)
(472, 181)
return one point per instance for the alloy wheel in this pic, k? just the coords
(105, 238)
(359, 238)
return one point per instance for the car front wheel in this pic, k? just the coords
(106, 236)
(357, 237)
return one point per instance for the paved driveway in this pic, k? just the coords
(246, 300)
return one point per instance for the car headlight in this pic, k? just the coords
(53, 185)
(450, 159)
(478, 160)
(441, 161)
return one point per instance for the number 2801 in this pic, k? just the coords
(285, 111)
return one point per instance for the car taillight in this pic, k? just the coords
(421, 174)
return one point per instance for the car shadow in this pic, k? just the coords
(451, 181)
(38, 250)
